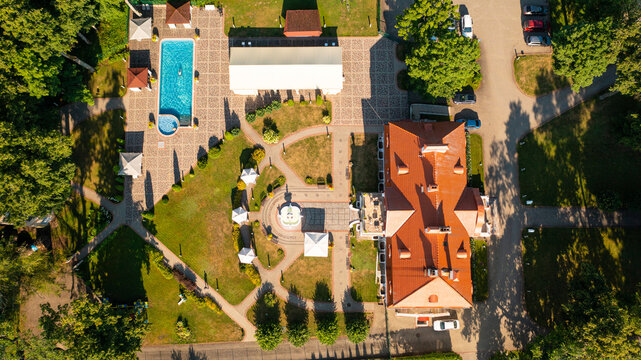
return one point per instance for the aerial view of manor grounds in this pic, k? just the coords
(320, 179)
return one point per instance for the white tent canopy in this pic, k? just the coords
(140, 29)
(130, 164)
(316, 244)
(246, 255)
(248, 176)
(239, 215)
(285, 68)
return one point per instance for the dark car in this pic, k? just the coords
(535, 10)
(538, 40)
(464, 98)
(535, 25)
(470, 123)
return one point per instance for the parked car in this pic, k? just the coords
(538, 40)
(535, 25)
(441, 325)
(535, 10)
(466, 26)
(464, 98)
(470, 124)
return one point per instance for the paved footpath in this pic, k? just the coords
(75, 113)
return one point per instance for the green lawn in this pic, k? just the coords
(77, 223)
(197, 221)
(264, 184)
(363, 260)
(479, 269)
(363, 154)
(476, 173)
(310, 277)
(552, 256)
(576, 158)
(339, 20)
(110, 75)
(120, 270)
(95, 152)
(289, 119)
(311, 156)
(266, 251)
(535, 76)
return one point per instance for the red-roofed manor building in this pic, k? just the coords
(430, 215)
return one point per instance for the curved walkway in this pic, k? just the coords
(73, 114)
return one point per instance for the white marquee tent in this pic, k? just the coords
(239, 215)
(248, 176)
(316, 244)
(140, 29)
(246, 255)
(285, 68)
(131, 164)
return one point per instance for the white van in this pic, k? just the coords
(466, 26)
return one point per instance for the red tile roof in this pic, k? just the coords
(137, 77)
(178, 12)
(422, 176)
(300, 23)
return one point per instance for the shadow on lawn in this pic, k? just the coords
(364, 162)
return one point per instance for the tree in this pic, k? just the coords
(439, 61)
(629, 60)
(35, 171)
(632, 132)
(356, 326)
(268, 335)
(583, 51)
(327, 328)
(258, 154)
(91, 330)
(297, 333)
(271, 136)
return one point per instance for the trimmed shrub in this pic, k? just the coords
(177, 187)
(253, 274)
(157, 258)
(290, 102)
(276, 105)
(235, 131)
(228, 135)
(256, 223)
(309, 180)
(356, 327)
(280, 180)
(165, 199)
(191, 173)
(241, 185)
(268, 109)
(297, 333)
(280, 252)
(148, 215)
(212, 304)
(269, 335)
(235, 236)
(202, 162)
(271, 136)
(327, 328)
(260, 112)
(327, 119)
(182, 331)
(258, 155)
(319, 100)
(215, 152)
(303, 102)
(250, 117)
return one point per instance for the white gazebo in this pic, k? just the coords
(140, 29)
(246, 255)
(239, 215)
(316, 244)
(248, 176)
(131, 164)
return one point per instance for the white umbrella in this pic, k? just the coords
(140, 29)
(130, 164)
(239, 215)
(316, 244)
(248, 176)
(246, 255)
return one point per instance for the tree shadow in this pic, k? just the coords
(364, 162)
(267, 308)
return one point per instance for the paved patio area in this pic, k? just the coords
(369, 97)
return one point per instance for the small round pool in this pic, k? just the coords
(167, 124)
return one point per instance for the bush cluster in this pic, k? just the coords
(194, 296)
(250, 117)
(235, 131)
(280, 180)
(212, 304)
(240, 185)
(158, 259)
(202, 161)
(235, 236)
(271, 136)
(148, 215)
(319, 100)
(177, 187)
(327, 119)
(258, 155)
(290, 102)
(215, 152)
(253, 274)
(182, 331)
(309, 180)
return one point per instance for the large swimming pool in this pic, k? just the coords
(176, 80)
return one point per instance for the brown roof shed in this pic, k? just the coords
(137, 77)
(178, 12)
(302, 23)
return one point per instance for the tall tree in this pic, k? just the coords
(35, 171)
(629, 61)
(439, 61)
(95, 331)
(584, 51)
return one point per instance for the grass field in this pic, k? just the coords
(476, 173)
(77, 223)
(534, 75)
(479, 269)
(110, 75)
(197, 221)
(264, 184)
(552, 256)
(120, 270)
(363, 259)
(310, 277)
(266, 251)
(289, 119)
(576, 158)
(363, 154)
(338, 19)
(311, 156)
(95, 152)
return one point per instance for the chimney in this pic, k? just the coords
(405, 253)
(402, 169)
(438, 230)
(459, 169)
(434, 148)
(461, 254)
(432, 188)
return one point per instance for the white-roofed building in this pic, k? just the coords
(140, 29)
(239, 215)
(248, 176)
(285, 68)
(131, 164)
(316, 244)
(246, 255)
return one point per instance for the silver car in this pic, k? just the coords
(538, 40)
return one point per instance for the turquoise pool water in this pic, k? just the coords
(167, 124)
(176, 79)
